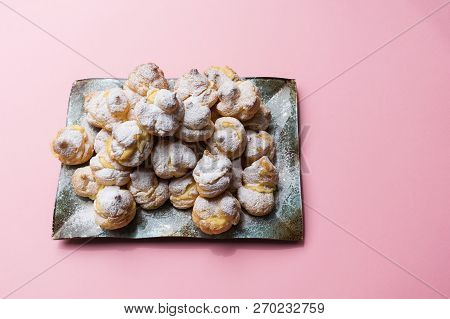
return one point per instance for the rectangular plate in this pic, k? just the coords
(74, 216)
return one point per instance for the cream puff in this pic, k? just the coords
(259, 144)
(129, 145)
(100, 140)
(236, 179)
(219, 75)
(172, 159)
(229, 137)
(84, 183)
(260, 121)
(147, 190)
(73, 145)
(238, 99)
(107, 108)
(146, 77)
(259, 183)
(214, 216)
(107, 171)
(197, 125)
(114, 208)
(161, 118)
(183, 192)
(212, 174)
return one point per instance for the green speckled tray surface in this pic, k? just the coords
(74, 216)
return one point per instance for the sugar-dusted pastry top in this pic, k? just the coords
(114, 207)
(229, 137)
(145, 77)
(172, 158)
(213, 174)
(163, 117)
(183, 191)
(84, 183)
(73, 145)
(130, 144)
(107, 171)
(147, 189)
(259, 144)
(216, 215)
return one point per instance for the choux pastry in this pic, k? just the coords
(114, 208)
(161, 118)
(172, 159)
(236, 178)
(259, 182)
(105, 109)
(147, 190)
(108, 172)
(238, 99)
(229, 137)
(197, 125)
(146, 77)
(261, 120)
(129, 144)
(219, 75)
(100, 140)
(183, 192)
(213, 174)
(259, 144)
(73, 145)
(83, 183)
(214, 216)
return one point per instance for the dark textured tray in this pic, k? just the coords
(74, 217)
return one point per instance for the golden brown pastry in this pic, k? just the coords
(183, 192)
(73, 145)
(219, 75)
(216, 215)
(259, 144)
(130, 145)
(147, 190)
(146, 77)
(114, 208)
(107, 108)
(161, 118)
(83, 183)
(194, 86)
(259, 182)
(100, 140)
(213, 174)
(261, 120)
(107, 171)
(197, 125)
(172, 159)
(229, 137)
(238, 99)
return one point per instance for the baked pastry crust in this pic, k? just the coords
(214, 216)
(229, 137)
(259, 182)
(238, 99)
(129, 145)
(183, 192)
(196, 87)
(107, 171)
(219, 75)
(146, 77)
(259, 144)
(114, 208)
(172, 159)
(213, 174)
(161, 118)
(73, 145)
(84, 183)
(197, 125)
(261, 120)
(148, 191)
(107, 108)
(100, 140)
(236, 179)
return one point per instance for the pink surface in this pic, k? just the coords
(377, 150)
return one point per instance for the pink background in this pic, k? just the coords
(377, 150)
